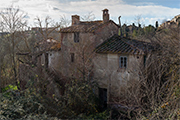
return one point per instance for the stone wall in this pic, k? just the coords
(79, 49)
(87, 43)
(54, 61)
(115, 79)
(105, 32)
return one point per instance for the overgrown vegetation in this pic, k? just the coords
(78, 102)
(155, 96)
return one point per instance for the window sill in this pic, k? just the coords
(121, 69)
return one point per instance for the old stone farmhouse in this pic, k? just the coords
(93, 50)
(118, 62)
(80, 39)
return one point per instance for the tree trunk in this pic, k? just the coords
(14, 61)
(0, 80)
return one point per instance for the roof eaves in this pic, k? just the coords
(111, 46)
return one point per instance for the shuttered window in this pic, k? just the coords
(123, 62)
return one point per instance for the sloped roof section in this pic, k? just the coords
(118, 44)
(85, 27)
(49, 45)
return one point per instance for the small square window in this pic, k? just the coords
(123, 62)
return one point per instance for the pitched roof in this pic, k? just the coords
(118, 44)
(87, 26)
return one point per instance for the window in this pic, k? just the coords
(76, 37)
(144, 60)
(123, 61)
(72, 57)
(46, 60)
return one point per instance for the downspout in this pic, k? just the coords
(120, 28)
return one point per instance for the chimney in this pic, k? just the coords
(120, 27)
(105, 15)
(75, 19)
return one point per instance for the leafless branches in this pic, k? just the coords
(156, 95)
(12, 22)
(88, 17)
(45, 27)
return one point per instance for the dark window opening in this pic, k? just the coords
(76, 37)
(46, 60)
(144, 60)
(123, 61)
(72, 57)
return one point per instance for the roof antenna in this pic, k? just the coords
(120, 28)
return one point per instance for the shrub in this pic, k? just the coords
(25, 106)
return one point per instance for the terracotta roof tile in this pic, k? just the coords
(88, 26)
(55, 47)
(49, 45)
(117, 44)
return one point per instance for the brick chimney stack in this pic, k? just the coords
(75, 19)
(105, 15)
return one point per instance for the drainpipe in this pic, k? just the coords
(120, 28)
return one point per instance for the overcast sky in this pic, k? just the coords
(149, 10)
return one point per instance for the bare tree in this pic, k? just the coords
(138, 19)
(155, 95)
(1, 63)
(84, 63)
(45, 27)
(13, 22)
(44, 36)
(64, 22)
(88, 17)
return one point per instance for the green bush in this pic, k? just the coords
(25, 106)
(78, 102)
(78, 99)
(9, 87)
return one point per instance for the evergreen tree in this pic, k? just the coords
(157, 25)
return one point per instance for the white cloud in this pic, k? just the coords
(54, 8)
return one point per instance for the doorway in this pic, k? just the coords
(103, 97)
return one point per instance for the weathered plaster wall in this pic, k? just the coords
(87, 43)
(54, 59)
(83, 47)
(110, 76)
(101, 72)
(105, 32)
